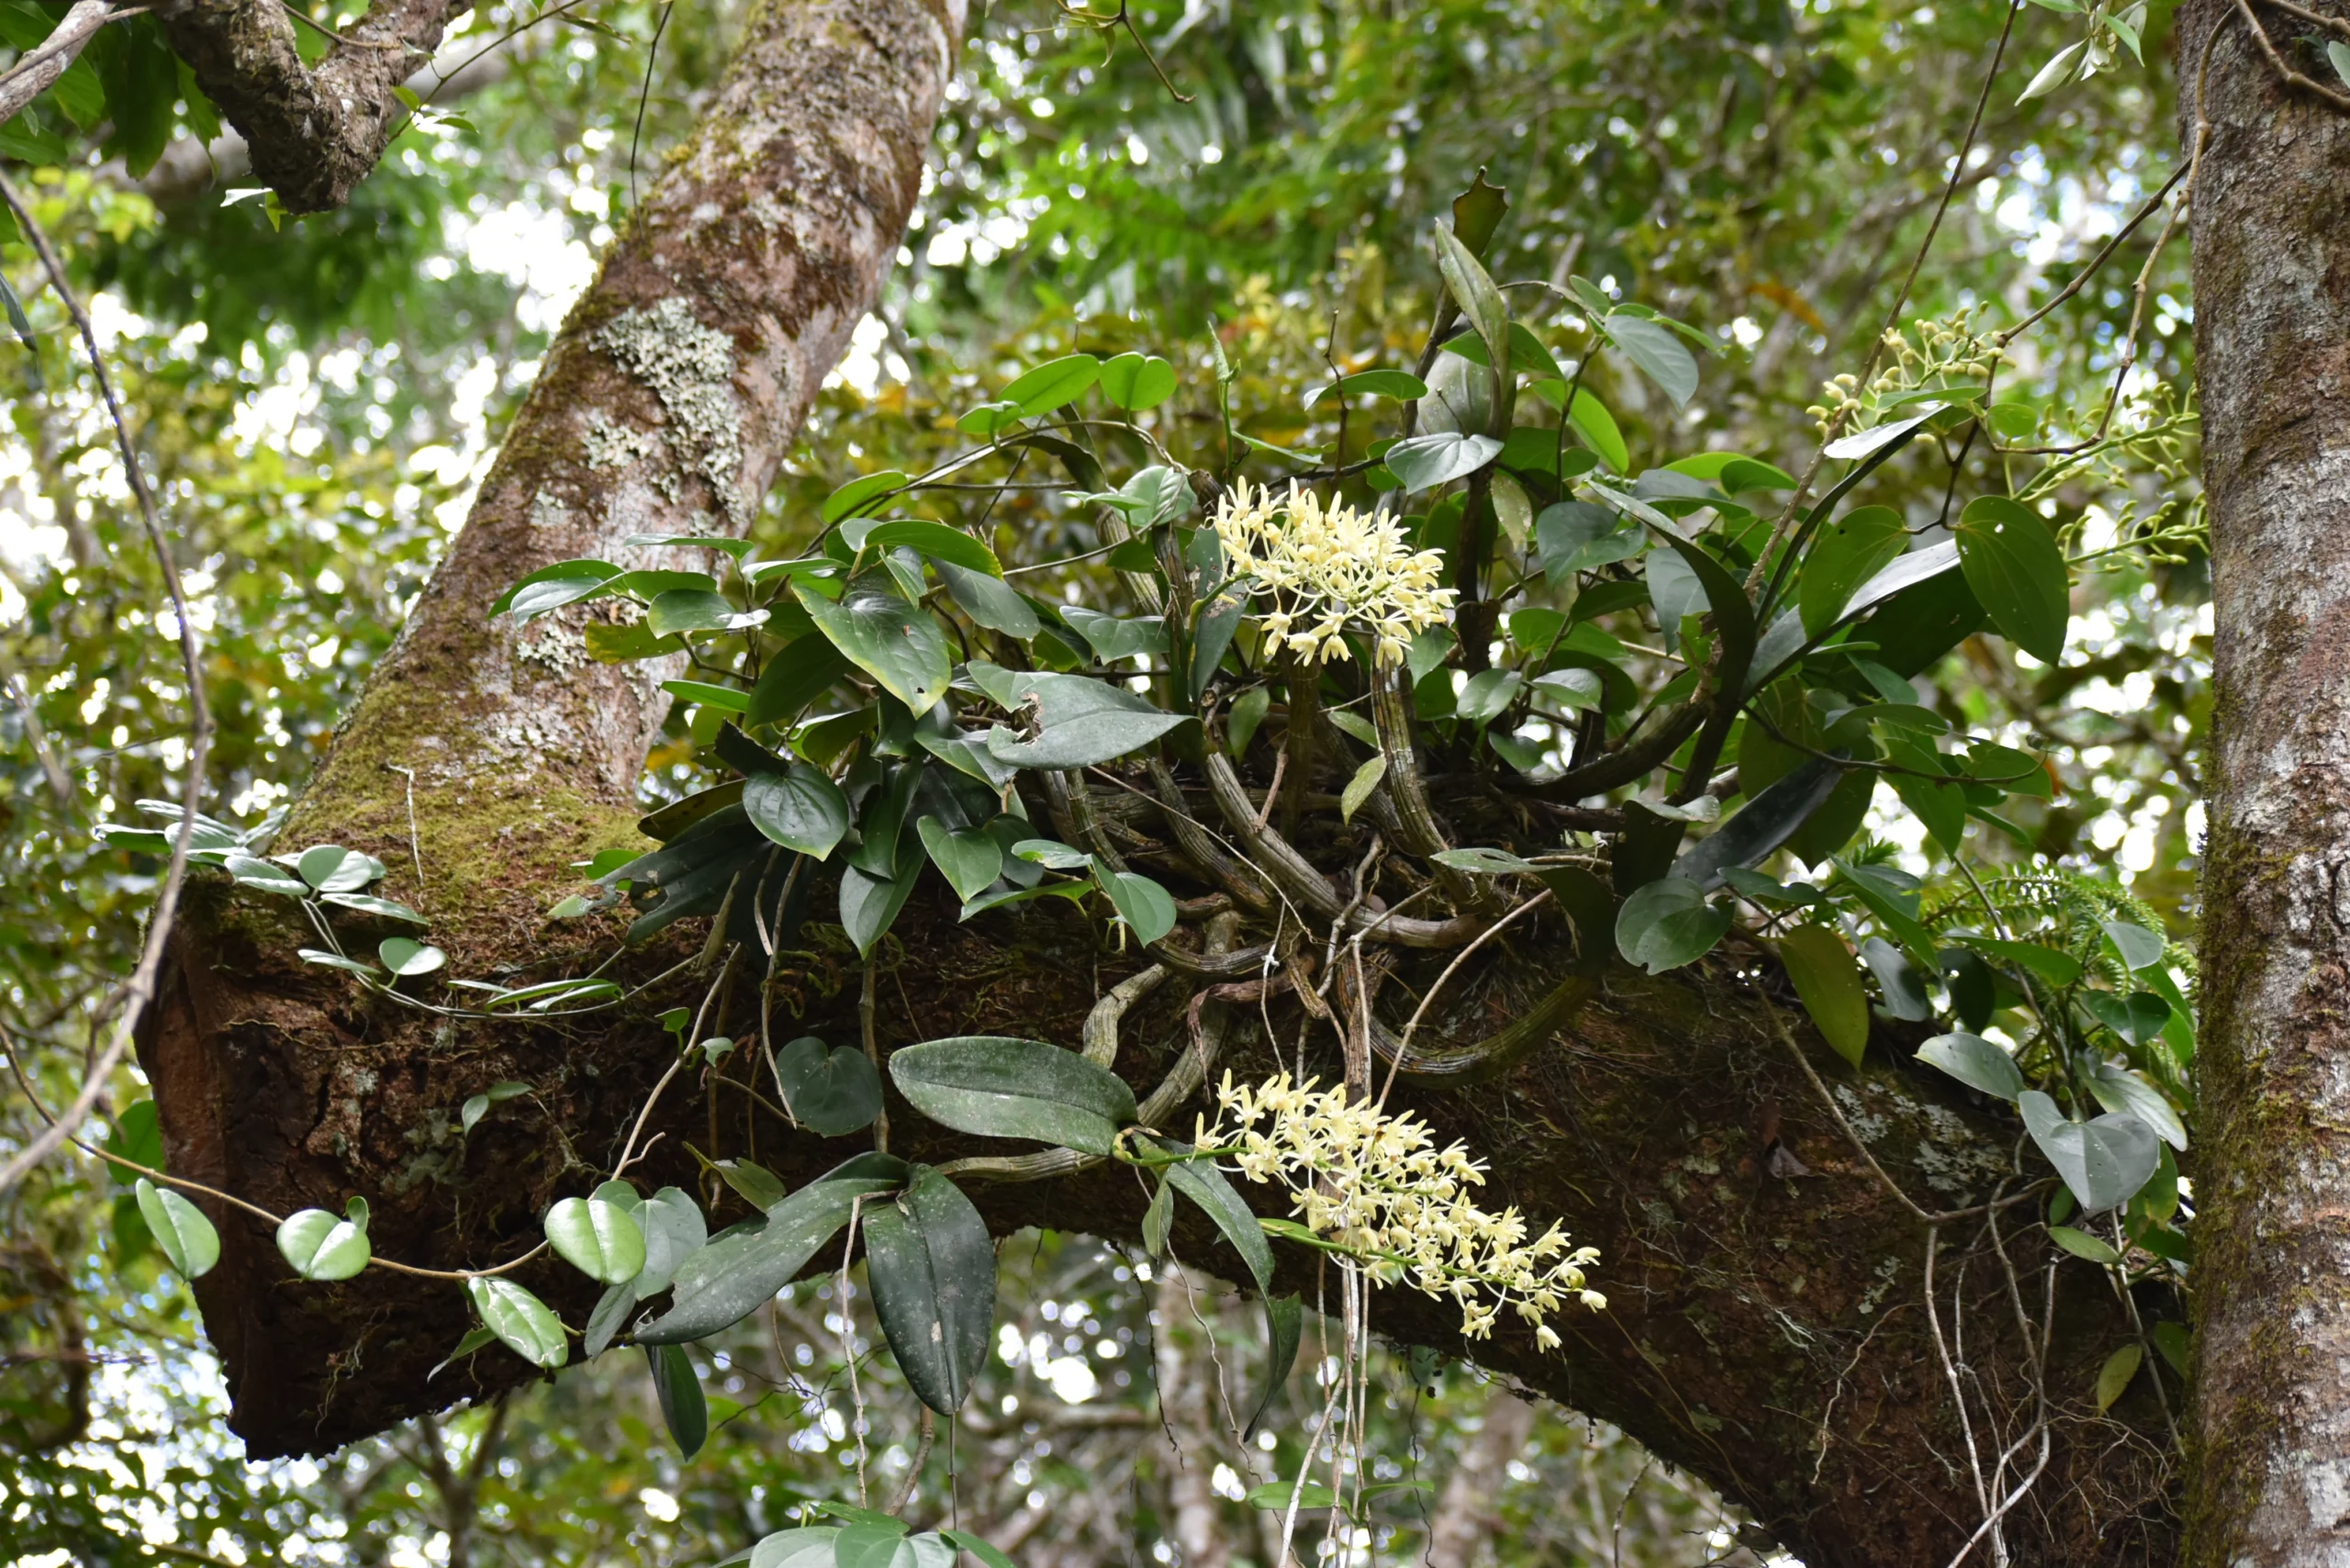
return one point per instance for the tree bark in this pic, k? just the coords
(1765, 1330)
(2271, 231)
(314, 134)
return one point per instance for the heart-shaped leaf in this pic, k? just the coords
(1083, 723)
(1424, 462)
(2104, 1162)
(893, 642)
(799, 808)
(989, 600)
(935, 540)
(1146, 907)
(969, 859)
(1667, 923)
(263, 876)
(931, 1267)
(810, 1547)
(1489, 693)
(1577, 536)
(1975, 1062)
(1137, 382)
(997, 1086)
(407, 957)
(597, 1238)
(321, 1246)
(330, 868)
(831, 1093)
(2140, 948)
(2017, 570)
(180, 1228)
(521, 1321)
(674, 1231)
(1845, 554)
(2137, 1018)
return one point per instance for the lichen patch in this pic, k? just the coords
(690, 368)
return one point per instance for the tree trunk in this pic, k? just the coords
(1765, 1331)
(2272, 347)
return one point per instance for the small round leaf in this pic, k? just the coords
(521, 1321)
(321, 1246)
(597, 1238)
(180, 1228)
(405, 957)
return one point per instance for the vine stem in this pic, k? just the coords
(138, 993)
(1780, 530)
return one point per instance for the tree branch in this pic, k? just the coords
(313, 134)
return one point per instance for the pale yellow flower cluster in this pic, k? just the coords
(1946, 354)
(1329, 565)
(1376, 1185)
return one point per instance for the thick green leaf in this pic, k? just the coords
(581, 576)
(990, 1555)
(2104, 1162)
(731, 1277)
(1577, 536)
(891, 641)
(321, 1246)
(830, 1092)
(1358, 788)
(1597, 426)
(674, 1231)
(874, 1546)
(938, 540)
(1284, 1327)
(989, 601)
(1975, 1062)
(1246, 713)
(1399, 385)
(1845, 554)
(597, 1238)
(407, 957)
(337, 961)
(2137, 1018)
(2017, 570)
(1828, 981)
(725, 699)
(970, 859)
(1206, 1186)
(330, 868)
(2113, 1379)
(1146, 907)
(870, 905)
(521, 1320)
(366, 904)
(1659, 352)
(1082, 722)
(931, 1267)
(697, 609)
(180, 1228)
(1489, 694)
(800, 809)
(1137, 382)
(1667, 923)
(260, 874)
(807, 1547)
(2081, 1244)
(1053, 383)
(859, 493)
(2140, 948)
(1424, 462)
(2057, 968)
(803, 671)
(998, 1086)
(682, 1405)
